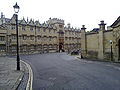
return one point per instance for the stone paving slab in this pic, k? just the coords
(9, 77)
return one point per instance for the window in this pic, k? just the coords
(24, 48)
(38, 29)
(44, 30)
(2, 38)
(31, 37)
(13, 27)
(66, 38)
(75, 33)
(49, 30)
(65, 32)
(69, 32)
(50, 38)
(2, 48)
(72, 33)
(44, 38)
(13, 37)
(24, 37)
(54, 31)
(23, 27)
(31, 47)
(60, 26)
(39, 37)
(72, 38)
(13, 48)
(31, 28)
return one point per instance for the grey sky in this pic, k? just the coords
(76, 12)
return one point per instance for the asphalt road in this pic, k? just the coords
(59, 71)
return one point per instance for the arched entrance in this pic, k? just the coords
(60, 47)
(119, 49)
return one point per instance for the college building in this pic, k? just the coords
(53, 36)
(34, 37)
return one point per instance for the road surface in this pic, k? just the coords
(59, 71)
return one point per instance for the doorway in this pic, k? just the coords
(61, 47)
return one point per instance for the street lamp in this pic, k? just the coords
(16, 9)
(111, 55)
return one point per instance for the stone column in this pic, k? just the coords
(83, 42)
(101, 40)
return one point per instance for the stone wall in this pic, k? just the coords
(97, 44)
(92, 45)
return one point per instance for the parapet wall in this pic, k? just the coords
(55, 20)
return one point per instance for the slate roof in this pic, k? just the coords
(116, 22)
(3, 27)
(7, 20)
(95, 30)
(23, 22)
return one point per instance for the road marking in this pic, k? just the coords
(30, 79)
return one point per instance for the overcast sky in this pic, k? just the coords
(76, 12)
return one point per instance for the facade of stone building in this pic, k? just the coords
(101, 43)
(50, 36)
(3, 40)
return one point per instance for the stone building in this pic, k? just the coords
(3, 40)
(34, 37)
(101, 43)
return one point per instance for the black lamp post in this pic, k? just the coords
(111, 55)
(16, 9)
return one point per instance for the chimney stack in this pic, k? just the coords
(102, 25)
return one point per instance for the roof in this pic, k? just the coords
(23, 22)
(95, 30)
(2, 27)
(116, 22)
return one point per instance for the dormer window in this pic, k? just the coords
(44, 30)
(38, 29)
(23, 28)
(31, 28)
(13, 27)
(49, 30)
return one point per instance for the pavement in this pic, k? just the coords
(10, 78)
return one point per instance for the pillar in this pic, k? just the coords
(101, 40)
(83, 42)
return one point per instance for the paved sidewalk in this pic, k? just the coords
(10, 78)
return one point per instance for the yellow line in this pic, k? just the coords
(30, 80)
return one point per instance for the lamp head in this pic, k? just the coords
(16, 8)
(110, 41)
